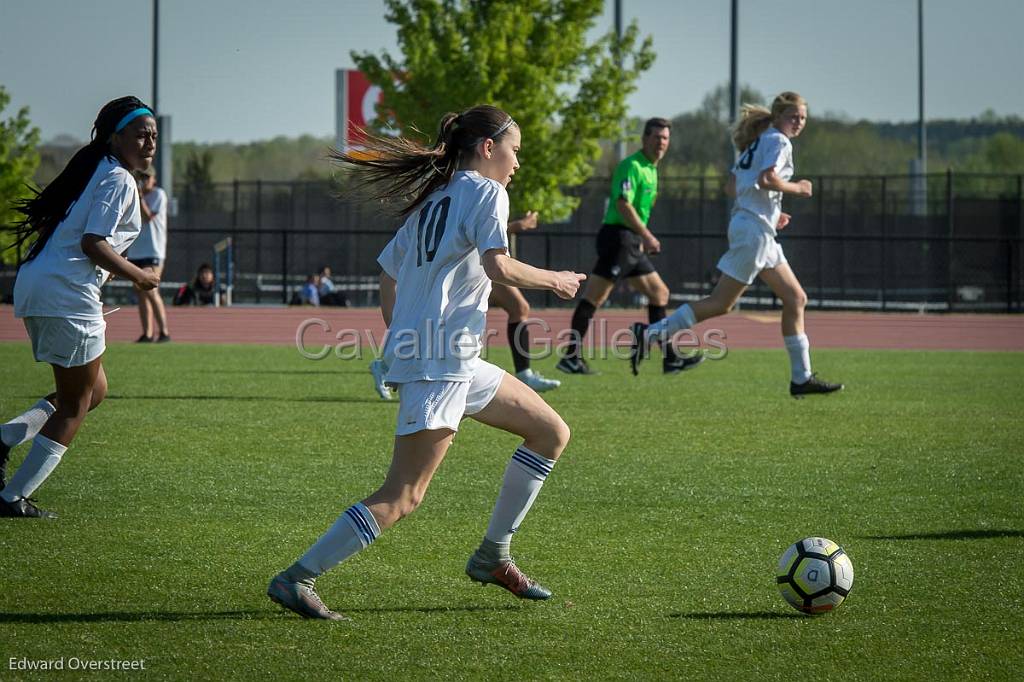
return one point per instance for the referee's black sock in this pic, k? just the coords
(519, 343)
(656, 313)
(580, 321)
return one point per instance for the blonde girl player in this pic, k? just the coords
(437, 274)
(83, 221)
(759, 178)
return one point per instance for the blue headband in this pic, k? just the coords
(131, 116)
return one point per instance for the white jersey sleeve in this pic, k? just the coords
(390, 259)
(488, 229)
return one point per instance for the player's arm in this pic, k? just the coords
(388, 292)
(99, 251)
(147, 214)
(769, 179)
(503, 269)
(633, 222)
(527, 222)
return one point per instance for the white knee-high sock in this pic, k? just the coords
(682, 318)
(27, 424)
(524, 476)
(353, 531)
(40, 462)
(799, 349)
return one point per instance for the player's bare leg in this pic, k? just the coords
(519, 410)
(786, 286)
(511, 300)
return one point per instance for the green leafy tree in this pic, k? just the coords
(532, 58)
(18, 161)
(198, 180)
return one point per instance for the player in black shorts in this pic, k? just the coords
(623, 245)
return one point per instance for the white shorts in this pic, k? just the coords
(429, 405)
(751, 250)
(66, 342)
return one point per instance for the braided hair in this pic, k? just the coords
(44, 212)
(398, 168)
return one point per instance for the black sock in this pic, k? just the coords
(519, 343)
(580, 321)
(656, 313)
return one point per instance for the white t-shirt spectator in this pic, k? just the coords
(440, 312)
(152, 241)
(61, 281)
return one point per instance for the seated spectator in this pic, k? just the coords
(329, 295)
(310, 294)
(200, 292)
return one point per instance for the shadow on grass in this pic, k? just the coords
(135, 616)
(363, 370)
(735, 615)
(251, 398)
(262, 614)
(953, 535)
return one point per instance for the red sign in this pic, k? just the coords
(360, 105)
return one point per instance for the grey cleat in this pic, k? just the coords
(301, 598)
(506, 574)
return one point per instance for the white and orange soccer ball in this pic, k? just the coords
(815, 575)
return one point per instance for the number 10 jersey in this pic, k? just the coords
(440, 313)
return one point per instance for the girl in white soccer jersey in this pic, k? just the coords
(759, 178)
(437, 274)
(82, 222)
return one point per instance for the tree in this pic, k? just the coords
(529, 57)
(198, 181)
(18, 161)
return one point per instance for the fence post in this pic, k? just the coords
(885, 241)
(701, 196)
(1020, 233)
(951, 251)
(821, 242)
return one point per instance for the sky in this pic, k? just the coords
(244, 70)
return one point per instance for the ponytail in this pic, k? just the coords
(400, 169)
(45, 211)
(754, 120)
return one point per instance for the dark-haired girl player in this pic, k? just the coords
(437, 274)
(82, 222)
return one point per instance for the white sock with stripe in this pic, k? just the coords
(524, 476)
(27, 424)
(682, 318)
(40, 462)
(353, 531)
(799, 349)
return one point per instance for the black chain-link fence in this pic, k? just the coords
(938, 242)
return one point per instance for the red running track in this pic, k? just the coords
(278, 325)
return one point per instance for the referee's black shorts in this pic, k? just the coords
(620, 254)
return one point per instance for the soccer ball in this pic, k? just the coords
(815, 575)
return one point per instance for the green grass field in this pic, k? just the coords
(209, 468)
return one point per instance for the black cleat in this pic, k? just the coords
(640, 348)
(812, 386)
(574, 365)
(24, 509)
(163, 338)
(681, 364)
(144, 339)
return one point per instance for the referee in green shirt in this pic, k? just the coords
(623, 245)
